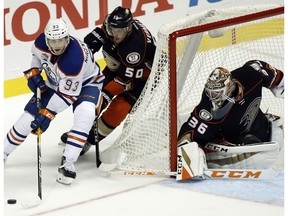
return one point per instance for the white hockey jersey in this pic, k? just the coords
(68, 72)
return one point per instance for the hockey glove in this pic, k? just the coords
(35, 80)
(42, 121)
(95, 39)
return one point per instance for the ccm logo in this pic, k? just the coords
(137, 173)
(179, 165)
(235, 174)
(216, 148)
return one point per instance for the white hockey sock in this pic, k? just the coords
(71, 153)
(18, 133)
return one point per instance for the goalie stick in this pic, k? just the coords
(259, 147)
(235, 174)
(247, 174)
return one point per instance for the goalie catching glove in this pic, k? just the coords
(35, 80)
(191, 161)
(42, 121)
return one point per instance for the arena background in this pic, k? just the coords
(25, 20)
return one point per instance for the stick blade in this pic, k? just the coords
(31, 202)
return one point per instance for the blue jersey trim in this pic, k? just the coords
(71, 61)
(40, 43)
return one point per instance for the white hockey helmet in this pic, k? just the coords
(57, 36)
(219, 87)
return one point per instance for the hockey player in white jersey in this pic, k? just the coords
(73, 78)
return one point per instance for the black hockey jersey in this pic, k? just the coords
(239, 118)
(132, 59)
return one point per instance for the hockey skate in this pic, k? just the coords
(63, 141)
(86, 148)
(66, 172)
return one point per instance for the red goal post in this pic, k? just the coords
(173, 63)
(188, 49)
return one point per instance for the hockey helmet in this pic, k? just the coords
(219, 87)
(120, 18)
(57, 36)
(119, 21)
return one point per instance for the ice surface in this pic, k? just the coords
(94, 194)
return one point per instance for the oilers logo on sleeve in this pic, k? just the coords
(51, 75)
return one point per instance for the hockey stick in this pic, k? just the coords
(96, 139)
(249, 148)
(39, 167)
(251, 174)
(236, 174)
(139, 173)
(247, 174)
(265, 146)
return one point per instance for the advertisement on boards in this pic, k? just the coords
(25, 20)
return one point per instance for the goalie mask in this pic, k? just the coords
(219, 87)
(118, 23)
(57, 36)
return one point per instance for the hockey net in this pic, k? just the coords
(187, 51)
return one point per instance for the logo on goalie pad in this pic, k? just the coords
(179, 164)
(216, 148)
(234, 174)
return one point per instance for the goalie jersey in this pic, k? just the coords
(237, 119)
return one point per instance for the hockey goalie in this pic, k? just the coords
(227, 129)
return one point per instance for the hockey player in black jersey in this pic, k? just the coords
(229, 110)
(128, 48)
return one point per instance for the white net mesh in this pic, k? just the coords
(145, 140)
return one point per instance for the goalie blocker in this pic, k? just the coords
(191, 161)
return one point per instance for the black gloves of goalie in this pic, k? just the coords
(35, 80)
(95, 39)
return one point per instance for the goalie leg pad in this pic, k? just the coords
(191, 161)
(251, 156)
(277, 133)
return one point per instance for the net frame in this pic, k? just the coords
(173, 64)
(167, 56)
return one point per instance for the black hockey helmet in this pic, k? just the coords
(120, 18)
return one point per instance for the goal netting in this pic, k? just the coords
(188, 49)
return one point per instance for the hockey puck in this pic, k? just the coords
(11, 201)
